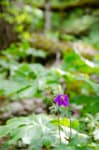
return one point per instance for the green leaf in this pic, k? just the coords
(63, 121)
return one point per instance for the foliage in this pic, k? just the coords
(29, 72)
(81, 23)
(24, 129)
(28, 79)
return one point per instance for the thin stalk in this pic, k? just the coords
(59, 124)
(70, 136)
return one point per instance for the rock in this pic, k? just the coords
(20, 107)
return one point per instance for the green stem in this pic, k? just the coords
(70, 136)
(59, 125)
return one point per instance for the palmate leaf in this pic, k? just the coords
(35, 131)
(27, 79)
(28, 129)
(15, 90)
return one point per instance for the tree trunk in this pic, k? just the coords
(7, 33)
(47, 15)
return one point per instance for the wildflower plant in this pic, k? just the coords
(62, 100)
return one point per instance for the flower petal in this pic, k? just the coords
(66, 101)
(57, 98)
(62, 100)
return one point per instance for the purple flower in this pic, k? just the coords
(62, 100)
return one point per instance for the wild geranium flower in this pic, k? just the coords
(62, 100)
